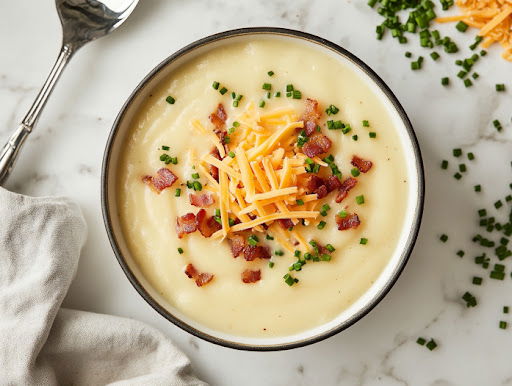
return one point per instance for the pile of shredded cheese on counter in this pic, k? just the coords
(492, 17)
(265, 158)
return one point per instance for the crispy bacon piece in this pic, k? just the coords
(191, 271)
(317, 144)
(351, 221)
(361, 164)
(345, 187)
(249, 276)
(219, 116)
(237, 245)
(214, 170)
(332, 183)
(164, 178)
(200, 278)
(285, 223)
(203, 279)
(313, 182)
(203, 200)
(186, 224)
(252, 252)
(312, 114)
(206, 225)
(321, 192)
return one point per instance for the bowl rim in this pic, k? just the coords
(415, 226)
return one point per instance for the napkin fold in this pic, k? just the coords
(43, 344)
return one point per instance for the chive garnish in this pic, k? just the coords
(177, 193)
(289, 87)
(197, 186)
(223, 90)
(215, 85)
(180, 250)
(270, 73)
(477, 280)
(299, 202)
(195, 176)
(321, 225)
(363, 241)
(443, 238)
(170, 100)
(279, 253)
(445, 81)
(360, 199)
(342, 213)
(469, 299)
(355, 172)
(165, 147)
(460, 253)
(421, 341)
(266, 86)
(262, 103)
(332, 110)
(461, 26)
(505, 309)
(434, 55)
(231, 154)
(252, 240)
(288, 279)
(354, 137)
(503, 324)
(500, 87)
(478, 188)
(372, 134)
(462, 168)
(431, 345)
(271, 264)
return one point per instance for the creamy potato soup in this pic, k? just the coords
(262, 188)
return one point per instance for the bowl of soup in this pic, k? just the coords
(262, 188)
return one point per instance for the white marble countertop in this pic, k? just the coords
(63, 156)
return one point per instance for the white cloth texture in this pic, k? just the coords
(44, 344)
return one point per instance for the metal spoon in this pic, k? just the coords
(82, 21)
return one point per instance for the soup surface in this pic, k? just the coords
(268, 290)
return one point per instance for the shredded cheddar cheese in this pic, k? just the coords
(492, 17)
(259, 184)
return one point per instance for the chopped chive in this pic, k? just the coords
(165, 147)
(408, 54)
(271, 264)
(279, 253)
(444, 164)
(505, 309)
(266, 86)
(457, 176)
(475, 75)
(498, 204)
(223, 90)
(262, 104)
(268, 237)
(431, 345)
(468, 83)
(445, 81)
(497, 125)
(177, 193)
(460, 253)
(443, 238)
(236, 124)
(342, 213)
(478, 188)
(332, 110)
(321, 225)
(360, 199)
(289, 87)
(233, 95)
(195, 176)
(231, 154)
(503, 324)
(363, 241)
(471, 156)
(497, 275)
(421, 341)
(180, 251)
(215, 85)
(235, 103)
(434, 55)
(469, 299)
(231, 130)
(288, 279)
(270, 73)
(296, 253)
(325, 257)
(372, 134)
(252, 240)
(297, 94)
(477, 280)
(462, 168)
(355, 172)
(366, 123)
(461, 26)
(170, 100)
(500, 87)
(330, 248)
(277, 94)
(483, 52)
(299, 202)
(197, 186)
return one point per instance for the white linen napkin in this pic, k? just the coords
(40, 343)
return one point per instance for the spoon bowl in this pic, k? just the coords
(82, 21)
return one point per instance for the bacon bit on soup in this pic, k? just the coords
(200, 278)
(312, 114)
(186, 224)
(333, 183)
(203, 200)
(285, 223)
(219, 116)
(214, 170)
(345, 187)
(252, 252)
(363, 165)
(351, 221)
(206, 225)
(250, 276)
(237, 244)
(317, 144)
(164, 178)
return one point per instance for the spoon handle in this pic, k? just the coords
(10, 151)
